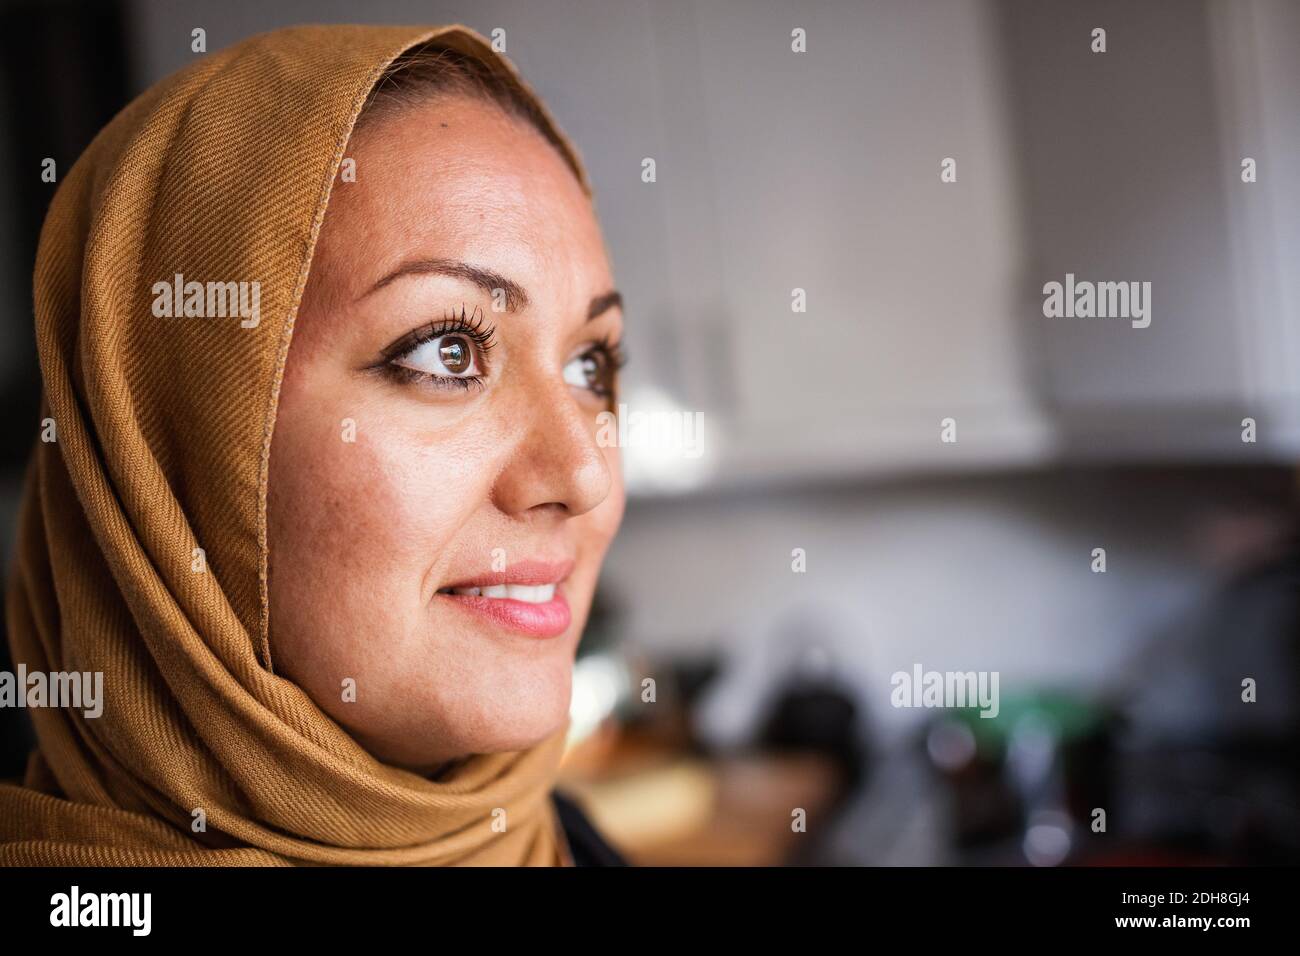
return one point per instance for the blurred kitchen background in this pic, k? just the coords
(731, 710)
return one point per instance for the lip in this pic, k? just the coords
(550, 619)
(521, 572)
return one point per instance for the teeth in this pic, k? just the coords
(528, 593)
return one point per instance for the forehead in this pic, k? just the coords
(458, 178)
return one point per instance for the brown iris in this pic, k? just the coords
(455, 354)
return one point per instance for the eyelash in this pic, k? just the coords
(615, 357)
(472, 325)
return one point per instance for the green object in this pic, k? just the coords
(1068, 716)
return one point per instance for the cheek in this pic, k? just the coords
(597, 528)
(610, 512)
(356, 525)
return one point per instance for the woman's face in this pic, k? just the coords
(439, 506)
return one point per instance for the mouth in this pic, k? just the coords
(528, 593)
(526, 598)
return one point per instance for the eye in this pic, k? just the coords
(446, 356)
(594, 369)
(451, 353)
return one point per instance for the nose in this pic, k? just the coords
(557, 462)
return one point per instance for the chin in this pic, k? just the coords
(504, 703)
(518, 713)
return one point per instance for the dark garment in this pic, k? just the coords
(588, 846)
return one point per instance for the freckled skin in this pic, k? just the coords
(362, 534)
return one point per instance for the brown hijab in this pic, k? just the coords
(162, 427)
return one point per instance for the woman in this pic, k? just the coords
(325, 324)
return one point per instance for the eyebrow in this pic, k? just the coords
(489, 282)
(603, 303)
(485, 279)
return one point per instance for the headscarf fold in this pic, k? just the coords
(162, 426)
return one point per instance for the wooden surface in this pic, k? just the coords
(663, 808)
